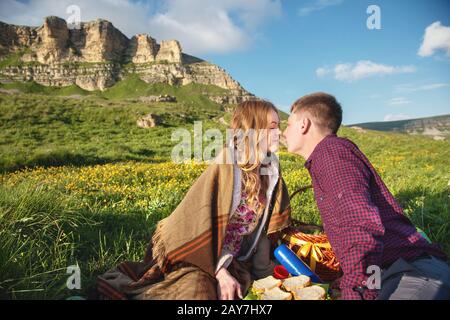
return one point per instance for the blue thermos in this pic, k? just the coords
(293, 264)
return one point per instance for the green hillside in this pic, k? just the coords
(47, 128)
(82, 184)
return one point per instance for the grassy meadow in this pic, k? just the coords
(81, 183)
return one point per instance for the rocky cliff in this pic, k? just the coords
(97, 55)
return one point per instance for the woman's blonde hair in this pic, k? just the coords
(249, 125)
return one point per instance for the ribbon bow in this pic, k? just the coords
(307, 248)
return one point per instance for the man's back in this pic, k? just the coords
(365, 224)
(400, 238)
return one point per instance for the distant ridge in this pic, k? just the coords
(437, 126)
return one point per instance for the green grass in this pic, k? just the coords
(48, 129)
(44, 231)
(11, 60)
(132, 87)
(33, 87)
(14, 59)
(80, 183)
(37, 234)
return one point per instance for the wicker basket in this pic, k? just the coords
(314, 249)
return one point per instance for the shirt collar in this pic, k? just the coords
(316, 150)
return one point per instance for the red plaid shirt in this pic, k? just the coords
(364, 223)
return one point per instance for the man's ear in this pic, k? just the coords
(305, 125)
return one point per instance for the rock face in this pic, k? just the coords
(169, 51)
(52, 41)
(98, 41)
(160, 98)
(14, 38)
(142, 49)
(149, 121)
(97, 55)
(93, 77)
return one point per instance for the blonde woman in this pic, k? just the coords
(216, 242)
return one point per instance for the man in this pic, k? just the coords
(364, 223)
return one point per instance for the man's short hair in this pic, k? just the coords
(324, 107)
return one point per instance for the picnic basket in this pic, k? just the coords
(311, 244)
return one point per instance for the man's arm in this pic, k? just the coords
(345, 179)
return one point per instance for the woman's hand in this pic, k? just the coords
(227, 285)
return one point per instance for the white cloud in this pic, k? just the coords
(318, 5)
(129, 17)
(322, 72)
(362, 69)
(437, 37)
(398, 101)
(201, 26)
(412, 88)
(396, 117)
(208, 26)
(216, 26)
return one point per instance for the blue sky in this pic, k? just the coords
(281, 50)
(282, 66)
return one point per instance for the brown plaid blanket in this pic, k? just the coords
(182, 255)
